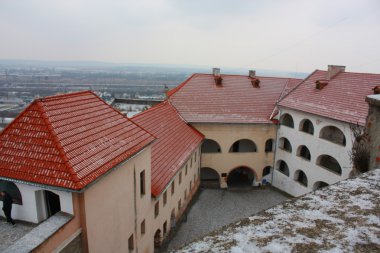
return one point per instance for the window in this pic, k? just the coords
(306, 126)
(304, 152)
(269, 146)
(180, 178)
(210, 146)
(185, 195)
(165, 197)
(284, 144)
(191, 185)
(172, 187)
(287, 120)
(283, 167)
(243, 145)
(156, 209)
(142, 182)
(195, 157)
(143, 227)
(300, 177)
(186, 170)
(179, 205)
(194, 178)
(329, 163)
(191, 163)
(130, 243)
(333, 134)
(165, 227)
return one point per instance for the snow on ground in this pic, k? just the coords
(344, 217)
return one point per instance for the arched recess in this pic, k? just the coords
(12, 189)
(333, 134)
(243, 145)
(210, 146)
(209, 178)
(284, 144)
(241, 177)
(269, 145)
(300, 177)
(287, 120)
(319, 185)
(329, 163)
(304, 152)
(157, 239)
(267, 171)
(306, 126)
(282, 166)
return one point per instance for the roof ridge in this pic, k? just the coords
(59, 96)
(175, 89)
(57, 142)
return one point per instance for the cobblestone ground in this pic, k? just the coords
(216, 208)
(10, 234)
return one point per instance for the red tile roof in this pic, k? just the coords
(176, 142)
(199, 99)
(68, 141)
(343, 98)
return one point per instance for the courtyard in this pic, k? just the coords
(215, 208)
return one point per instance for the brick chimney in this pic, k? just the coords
(252, 73)
(333, 70)
(254, 80)
(217, 77)
(376, 90)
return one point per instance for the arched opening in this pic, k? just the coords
(53, 204)
(157, 239)
(306, 126)
(12, 189)
(209, 178)
(243, 145)
(304, 152)
(210, 146)
(319, 185)
(269, 145)
(240, 177)
(267, 171)
(329, 163)
(300, 177)
(287, 120)
(333, 134)
(284, 144)
(282, 167)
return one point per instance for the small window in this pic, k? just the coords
(195, 157)
(172, 187)
(186, 170)
(185, 195)
(156, 209)
(142, 182)
(269, 146)
(165, 197)
(165, 227)
(191, 185)
(195, 177)
(180, 178)
(191, 163)
(143, 227)
(179, 205)
(130, 243)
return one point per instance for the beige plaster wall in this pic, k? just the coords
(113, 213)
(226, 135)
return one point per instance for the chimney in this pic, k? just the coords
(252, 73)
(217, 77)
(333, 70)
(254, 80)
(376, 90)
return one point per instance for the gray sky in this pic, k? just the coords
(283, 35)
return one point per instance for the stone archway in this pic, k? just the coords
(241, 177)
(209, 178)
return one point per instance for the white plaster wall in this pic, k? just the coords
(33, 208)
(317, 147)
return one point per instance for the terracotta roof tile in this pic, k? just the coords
(68, 141)
(176, 141)
(343, 98)
(199, 99)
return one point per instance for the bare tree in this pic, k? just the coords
(360, 153)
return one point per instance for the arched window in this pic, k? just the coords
(287, 120)
(300, 177)
(282, 167)
(306, 126)
(329, 163)
(319, 185)
(269, 145)
(210, 146)
(285, 144)
(243, 145)
(12, 189)
(303, 151)
(267, 170)
(333, 134)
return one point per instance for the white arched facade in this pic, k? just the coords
(33, 208)
(317, 146)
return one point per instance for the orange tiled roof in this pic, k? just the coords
(199, 99)
(176, 142)
(68, 141)
(343, 98)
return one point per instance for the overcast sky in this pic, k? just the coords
(279, 35)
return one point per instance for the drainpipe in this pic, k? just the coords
(135, 204)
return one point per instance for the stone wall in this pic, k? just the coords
(373, 127)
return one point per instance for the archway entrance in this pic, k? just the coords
(240, 177)
(209, 178)
(53, 204)
(157, 239)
